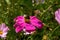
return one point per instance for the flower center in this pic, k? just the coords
(1, 32)
(27, 19)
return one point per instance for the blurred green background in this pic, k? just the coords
(9, 9)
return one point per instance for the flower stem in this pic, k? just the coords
(45, 11)
(54, 30)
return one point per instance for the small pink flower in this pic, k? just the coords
(29, 24)
(3, 30)
(57, 15)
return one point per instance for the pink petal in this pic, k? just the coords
(59, 11)
(19, 19)
(5, 29)
(57, 15)
(21, 24)
(0, 26)
(36, 22)
(3, 26)
(18, 29)
(18, 24)
(29, 27)
(58, 20)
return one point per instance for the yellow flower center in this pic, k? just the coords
(27, 20)
(1, 32)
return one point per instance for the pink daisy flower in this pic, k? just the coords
(27, 24)
(3, 30)
(57, 15)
